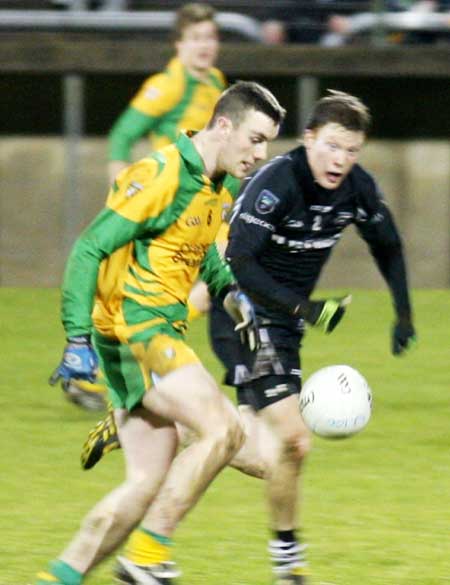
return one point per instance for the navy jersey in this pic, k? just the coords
(284, 227)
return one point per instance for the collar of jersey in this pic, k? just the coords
(176, 67)
(189, 152)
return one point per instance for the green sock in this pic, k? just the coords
(60, 573)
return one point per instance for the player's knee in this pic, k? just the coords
(296, 446)
(110, 514)
(138, 483)
(228, 437)
(237, 435)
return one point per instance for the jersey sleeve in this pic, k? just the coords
(263, 203)
(130, 127)
(376, 225)
(215, 272)
(133, 207)
(157, 96)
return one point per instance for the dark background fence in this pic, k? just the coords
(61, 91)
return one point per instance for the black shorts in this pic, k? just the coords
(275, 370)
(226, 344)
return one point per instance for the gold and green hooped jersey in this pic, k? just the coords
(142, 254)
(167, 103)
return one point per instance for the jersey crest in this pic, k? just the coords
(266, 202)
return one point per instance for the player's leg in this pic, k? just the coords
(150, 444)
(188, 396)
(257, 450)
(273, 393)
(112, 519)
(102, 438)
(284, 489)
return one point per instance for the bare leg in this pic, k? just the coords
(261, 446)
(191, 397)
(111, 520)
(285, 420)
(277, 441)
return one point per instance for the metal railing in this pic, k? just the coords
(387, 22)
(78, 20)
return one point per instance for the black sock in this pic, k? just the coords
(285, 535)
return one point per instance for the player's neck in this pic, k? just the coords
(200, 74)
(207, 147)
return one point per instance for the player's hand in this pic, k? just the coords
(403, 336)
(241, 310)
(79, 360)
(326, 314)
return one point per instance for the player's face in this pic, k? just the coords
(199, 45)
(245, 144)
(332, 150)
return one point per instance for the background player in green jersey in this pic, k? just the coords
(180, 97)
(126, 285)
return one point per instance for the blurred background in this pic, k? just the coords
(70, 67)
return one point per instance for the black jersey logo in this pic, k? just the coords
(266, 202)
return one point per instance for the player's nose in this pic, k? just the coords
(260, 152)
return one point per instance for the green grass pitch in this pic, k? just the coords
(376, 506)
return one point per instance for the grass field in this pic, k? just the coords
(376, 507)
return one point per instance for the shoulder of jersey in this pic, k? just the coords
(149, 168)
(219, 75)
(277, 169)
(169, 82)
(365, 182)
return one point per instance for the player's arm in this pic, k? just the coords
(130, 127)
(126, 215)
(107, 232)
(157, 96)
(379, 230)
(119, 223)
(255, 217)
(216, 273)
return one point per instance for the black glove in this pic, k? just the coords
(324, 314)
(403, 336)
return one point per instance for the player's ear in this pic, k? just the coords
(225, 125)
(308, 138)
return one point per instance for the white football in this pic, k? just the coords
(336, 402)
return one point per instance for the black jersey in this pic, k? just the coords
(284, 227)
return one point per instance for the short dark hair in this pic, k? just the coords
(192, 13)
(247, 95)
(341, 108)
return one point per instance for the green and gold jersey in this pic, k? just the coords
(142, 254)
(167, 103)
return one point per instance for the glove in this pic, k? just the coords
(403, 336)
(324, 314)
(241, 310)
(79, 361)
